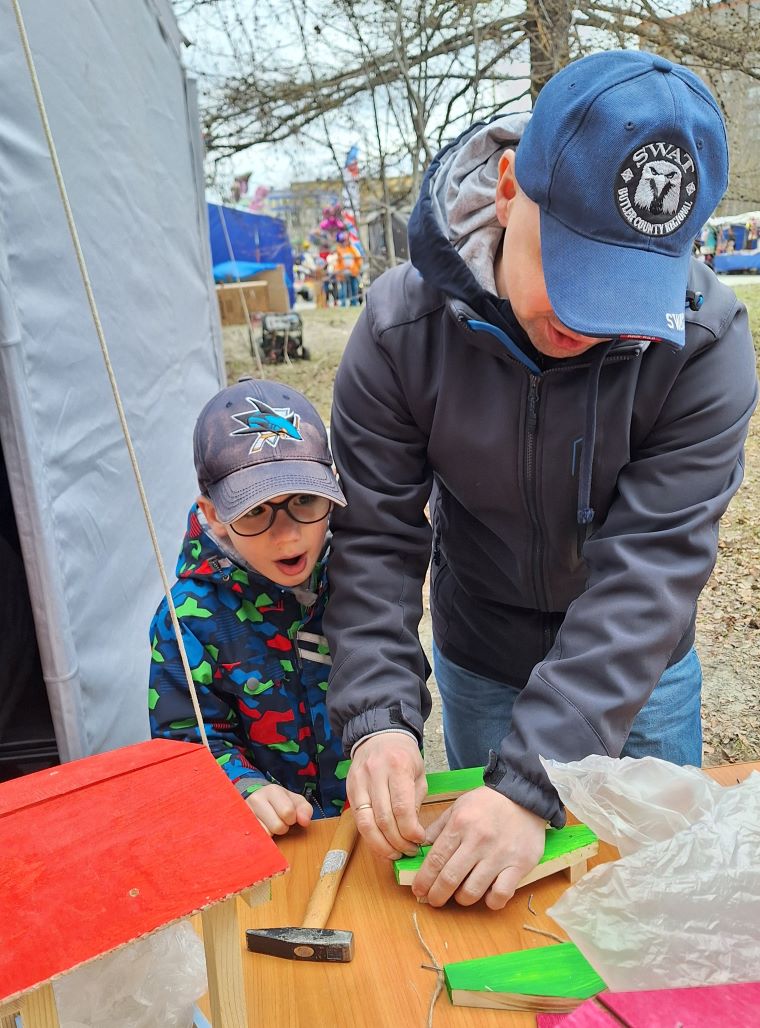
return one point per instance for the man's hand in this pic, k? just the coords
(278, 809)
(482, 845)
(388, 774)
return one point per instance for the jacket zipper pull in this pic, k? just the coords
(310, 795)
(533, 406)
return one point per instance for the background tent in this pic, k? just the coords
(745, 257)
(255, 239)
(124, 118)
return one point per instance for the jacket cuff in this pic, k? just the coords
(383, 731)
(250, 783)
(538, 796)
(380, 719)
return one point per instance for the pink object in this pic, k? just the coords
(711, 1006)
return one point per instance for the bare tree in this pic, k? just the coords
(403, 76)
(433, 65)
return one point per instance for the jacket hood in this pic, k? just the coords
(453, 229)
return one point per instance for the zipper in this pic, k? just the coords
(310, 795)
(531, 482)
(437, 531)
(298, 664)
(531, 490)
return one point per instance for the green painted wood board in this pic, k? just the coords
(559, 970)
(559, 841)
(454, 781)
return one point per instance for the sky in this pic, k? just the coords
(274, 166)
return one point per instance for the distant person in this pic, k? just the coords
(349, 269)
(250, 595)
(331, 284)
(750, 235)
(710, 240)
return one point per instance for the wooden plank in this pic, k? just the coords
(30, 790)
(448, 785)
(120, 857)
(563, 848)
(221, 940)
(732, 774)
(38, 1009)
(556, 977)
(258, 895)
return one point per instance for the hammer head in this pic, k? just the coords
(316, 944)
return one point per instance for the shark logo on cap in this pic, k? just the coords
(268, 424)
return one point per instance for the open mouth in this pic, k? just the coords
(292, 565)
(566, 342)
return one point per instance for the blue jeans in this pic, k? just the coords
(349, 291)
(477, 714)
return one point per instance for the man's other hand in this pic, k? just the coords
(481, 846)
(386, 785)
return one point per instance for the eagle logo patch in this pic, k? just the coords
(656, 188)
(267, 424)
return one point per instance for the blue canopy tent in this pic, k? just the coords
(257, 242)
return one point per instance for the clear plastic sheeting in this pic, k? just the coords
(151, 983)
(682, 906)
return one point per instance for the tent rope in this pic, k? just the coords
(106, 357)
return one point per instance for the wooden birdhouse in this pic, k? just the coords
(102, 851)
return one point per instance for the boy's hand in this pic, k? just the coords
(278, 810)
(387, 773)
(482, 845)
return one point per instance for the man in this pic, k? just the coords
(577, 391)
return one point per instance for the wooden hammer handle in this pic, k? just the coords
(323, 895)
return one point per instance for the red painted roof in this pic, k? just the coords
(101, 851)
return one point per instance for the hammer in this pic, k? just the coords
(312, 941)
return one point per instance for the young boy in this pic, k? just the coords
(251, 591)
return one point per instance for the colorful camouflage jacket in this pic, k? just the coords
(260, 665)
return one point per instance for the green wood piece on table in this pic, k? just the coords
(559, 841)
(445, 782)
(559, 970)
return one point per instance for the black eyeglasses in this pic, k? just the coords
(305, 508)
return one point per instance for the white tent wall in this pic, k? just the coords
(124, 119)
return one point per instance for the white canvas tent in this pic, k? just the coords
(124, 118)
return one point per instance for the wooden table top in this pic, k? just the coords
(385, 986)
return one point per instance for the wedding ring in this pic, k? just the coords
(364, 806)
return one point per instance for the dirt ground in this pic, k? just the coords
(728, 625)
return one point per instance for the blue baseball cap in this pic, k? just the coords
(626, 155)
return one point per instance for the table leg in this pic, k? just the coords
(38, 1009)
(224, 966)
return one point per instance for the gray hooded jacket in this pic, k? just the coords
(575, 503)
